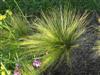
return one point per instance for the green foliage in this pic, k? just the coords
(56, 35)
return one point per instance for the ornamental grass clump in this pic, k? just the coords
(56, 33)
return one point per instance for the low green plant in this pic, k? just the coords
(12, 27)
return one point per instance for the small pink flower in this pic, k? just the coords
(17, 70)
(36, 63)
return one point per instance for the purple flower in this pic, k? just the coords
(36, 63)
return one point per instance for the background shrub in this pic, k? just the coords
(35, 6)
